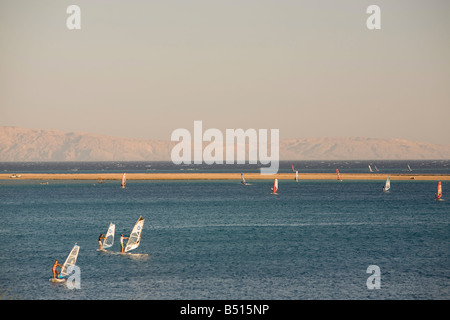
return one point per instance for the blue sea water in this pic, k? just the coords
(222, 240)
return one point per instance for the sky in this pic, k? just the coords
(141, 69)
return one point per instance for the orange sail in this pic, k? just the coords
(338, 175)
(439, 191)
(275, 186)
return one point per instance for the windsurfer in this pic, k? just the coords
(121, 242)
(55, 272)
(100, 238)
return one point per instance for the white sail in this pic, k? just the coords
(135, 237)
(370, 168)
(296, 176)
(124, 180)
(243, 179)
(109, 238)
(387, 185)
(70, 261)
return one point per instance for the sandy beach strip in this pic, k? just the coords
(220, 176)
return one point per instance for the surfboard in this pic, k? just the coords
(135, 255)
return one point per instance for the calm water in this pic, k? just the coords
(222, 240)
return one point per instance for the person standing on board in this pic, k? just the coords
(100, 246)
(55, 272)
(121, 242)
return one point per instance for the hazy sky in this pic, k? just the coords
(310, 68)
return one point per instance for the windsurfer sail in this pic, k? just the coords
(438, 194)
(70, 261)
(124, 180)
(296, 176)
(108, 241)
(135, 237)
(243, 180)
(387, 185)
(338, 175)
(275, 186)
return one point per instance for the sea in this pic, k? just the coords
(221, 240)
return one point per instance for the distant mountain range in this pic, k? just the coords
(19, 144)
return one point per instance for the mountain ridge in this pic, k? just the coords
(20, 144)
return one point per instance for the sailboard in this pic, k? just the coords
(387, 185)
(338, 175)
(135, 237)
(409, 168)
(243, 180)
(439, 191)
(275, 186)
(124, 180)
(296, 176)
(70, 261)
(370, 168)
(293, 170)
(109, 238)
